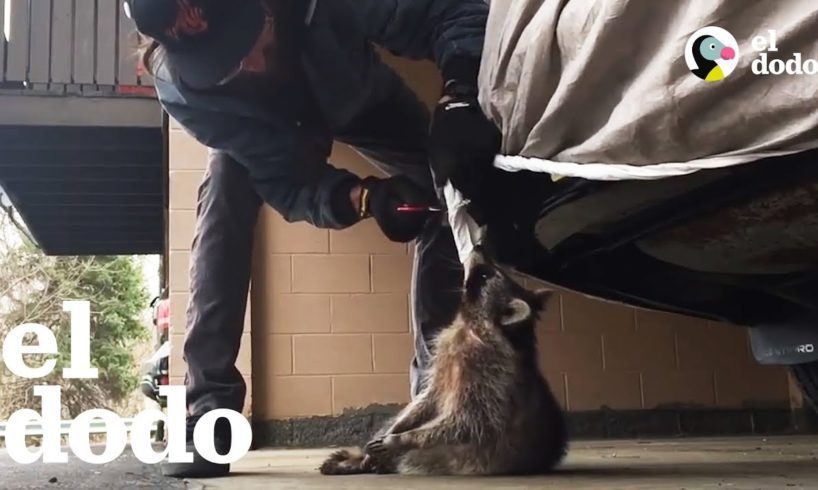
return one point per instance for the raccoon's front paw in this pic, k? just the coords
(375, 447)
(380, 445)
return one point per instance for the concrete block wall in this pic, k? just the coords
(597, 354)
(331, 313)
(330, 321)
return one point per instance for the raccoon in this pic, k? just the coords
(486, 408)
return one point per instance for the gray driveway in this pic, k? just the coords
(126, 472)
(740, 463)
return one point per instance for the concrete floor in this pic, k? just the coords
(126, 472)
(789, 463)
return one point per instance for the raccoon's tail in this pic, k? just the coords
(347, 462)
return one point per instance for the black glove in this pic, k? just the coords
(381, 198)
(462, 142)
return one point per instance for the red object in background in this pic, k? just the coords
(408, 208)
(138, 90)
(163, 316)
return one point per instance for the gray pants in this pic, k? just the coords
(392, 135)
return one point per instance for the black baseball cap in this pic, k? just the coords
(204, 40)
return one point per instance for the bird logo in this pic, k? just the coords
(712, 54)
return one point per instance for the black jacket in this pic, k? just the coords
(344, 74)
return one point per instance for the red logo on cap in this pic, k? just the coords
(189, 21)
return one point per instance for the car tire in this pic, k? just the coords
(807, 377)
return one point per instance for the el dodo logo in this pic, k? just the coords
(712, 54)
(15, 347)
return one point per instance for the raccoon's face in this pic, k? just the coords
(490, 294)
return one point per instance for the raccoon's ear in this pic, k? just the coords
(540, 299)
(515, 311)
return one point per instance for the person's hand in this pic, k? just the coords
(383, 199)
(462, 143)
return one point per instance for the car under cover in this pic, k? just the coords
(737, 244)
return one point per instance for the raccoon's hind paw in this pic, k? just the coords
(330, 466)
(344, 462)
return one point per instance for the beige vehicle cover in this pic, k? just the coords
(605, 89)
(607, 82)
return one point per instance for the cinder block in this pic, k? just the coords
(178, 312)
(184, 185)
(551, 316)
(570, 352)
(331, 274)
(332, 354)
(364, 238)
(713, 345)
(179, 271)
(247, 327)
(359, 313)
(181, 226)
(350, 392)
(756, 387)
(581, 314)
(185, 153)
(669, 388)
(422, 76)
(296, 396)
(391, 273)
(393, 352)
(278, 274)
(296, 238)
(278, 356)
(618, 391)
(298, 313)
(247, 409)
(244, 361)
(646, 350)
(655, 320)
(176, 363)
(556, 383)
(344, 156)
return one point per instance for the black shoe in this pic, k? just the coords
(200, 467)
